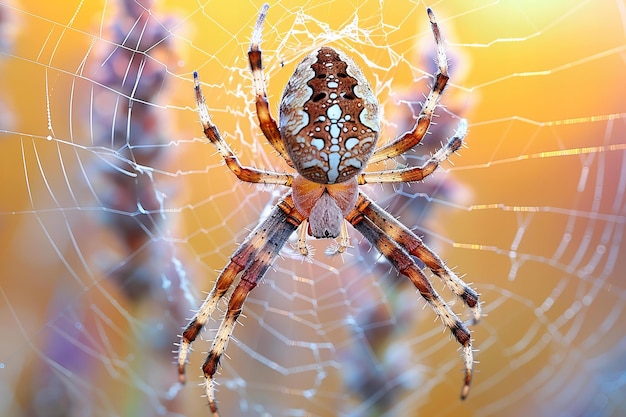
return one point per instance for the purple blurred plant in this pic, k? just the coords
(130, 250)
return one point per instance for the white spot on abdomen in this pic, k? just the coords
(333, 163)
(351, 143)
(318, 143)
(334, 112)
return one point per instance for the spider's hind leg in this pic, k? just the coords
(410, 139)
(266, 121)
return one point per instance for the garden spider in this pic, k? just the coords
(327, 130)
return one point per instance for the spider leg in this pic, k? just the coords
(416, 247)
(266, 121)
(418, 173)
(212, 133)
(255, 255)
(410, 139)
(404, 264)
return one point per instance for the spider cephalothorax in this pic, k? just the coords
(328, 130)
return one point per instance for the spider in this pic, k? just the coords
(327, 131)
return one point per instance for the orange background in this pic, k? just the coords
(542, 86)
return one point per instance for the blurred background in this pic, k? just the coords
(116, 215)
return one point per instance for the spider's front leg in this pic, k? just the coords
(255, 255)
(398, 255)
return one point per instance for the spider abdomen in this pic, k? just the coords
(329, 117)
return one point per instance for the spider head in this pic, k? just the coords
(324, 205)
(325, 218)
(329, 117)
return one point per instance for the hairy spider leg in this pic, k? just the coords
(416, 247)
(407, 266)
(247, 174)
(266, 121)
(411, 174)
(255, 255)
(410, 139)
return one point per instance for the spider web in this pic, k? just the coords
(115, 217)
